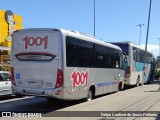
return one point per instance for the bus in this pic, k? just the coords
(63, 64)
(134, 62)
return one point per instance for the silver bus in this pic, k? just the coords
(69, 65)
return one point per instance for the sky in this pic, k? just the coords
(115, 20)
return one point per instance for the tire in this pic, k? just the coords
(120, 87)
(89, 95)
(53, 100)
(138, 81)
(50, 99)
(19, 95)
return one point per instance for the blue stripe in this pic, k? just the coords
(37, 88)
(106, 84)
(139, 66)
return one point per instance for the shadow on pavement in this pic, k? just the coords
(157, 89)
(8, 97)
(153, 91)
(35, 105)
(158, 117)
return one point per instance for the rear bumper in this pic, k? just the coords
(45, 92)
(59, 93)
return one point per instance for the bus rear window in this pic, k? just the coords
(123, 46)
(35, 56)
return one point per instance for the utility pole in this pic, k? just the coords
(159, 46)
(140, 25)
(147, 37)
(94, 17)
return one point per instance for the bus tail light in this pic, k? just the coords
(128, 72)
(12, 76)
(59, 82)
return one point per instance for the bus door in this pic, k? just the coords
(119, 72)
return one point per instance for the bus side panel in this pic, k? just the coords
(147, 72)
(104, 80)
(119, 78)
(137, 72)
(78, 81)
(70, 92)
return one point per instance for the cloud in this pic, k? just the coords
(152, 48)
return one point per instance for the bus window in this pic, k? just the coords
(73, 52)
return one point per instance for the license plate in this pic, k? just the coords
(34, 84)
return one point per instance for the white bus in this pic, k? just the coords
(135, 60)
(64, 64)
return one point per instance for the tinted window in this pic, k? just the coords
(121, 61)
(123, 46)
(117, 59)
(4, 76)
(107, 57)
(139, 55)
(73, 52)
(88, 56)
(100, 56)
(35, 56)
(1, 78)
(80, 53)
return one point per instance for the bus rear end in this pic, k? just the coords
(36, 67)
(127, 57)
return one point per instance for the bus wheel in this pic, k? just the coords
(89, 95)
(19, 95)
(138, 81)
(120, 86)
(52, 100)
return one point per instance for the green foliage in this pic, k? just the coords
(157, 74)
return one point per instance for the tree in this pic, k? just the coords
(157, 74)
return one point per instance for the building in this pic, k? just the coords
(9, 22)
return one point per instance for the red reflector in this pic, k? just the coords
(128, 72)
(12, 76)
(59, 82)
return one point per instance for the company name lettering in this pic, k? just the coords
(79, 78)
(38, 41)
